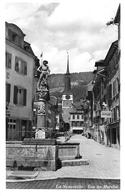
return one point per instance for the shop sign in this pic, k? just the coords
(106, 114)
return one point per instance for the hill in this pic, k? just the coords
(78, 84)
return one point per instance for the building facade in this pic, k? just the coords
(106, 91)
(19, 84)
(113, 95)
(106, 94)
(99, 101)
(76, 122)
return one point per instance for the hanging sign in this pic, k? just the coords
(106, 114)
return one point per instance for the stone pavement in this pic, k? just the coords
(104, 162)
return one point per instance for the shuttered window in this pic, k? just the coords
(24, 97)
(8, 87)
(110, 91)
(15, 95)
(8, 60)
(14, 37)
(20, 96)
(20, 66)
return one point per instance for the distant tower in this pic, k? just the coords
(67, 97)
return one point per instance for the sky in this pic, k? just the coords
(54, 26)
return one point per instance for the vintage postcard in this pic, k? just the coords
(62, 85)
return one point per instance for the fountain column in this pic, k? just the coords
(42, 96)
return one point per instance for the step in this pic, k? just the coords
(75, 162)
(22, 174)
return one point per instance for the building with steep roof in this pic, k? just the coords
(20, 64)
(106, 93)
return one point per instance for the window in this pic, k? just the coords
(77, 116)
(20, 66)
(109, 94)
(73, 116)
(19, 96)
(110, 91)
(102, 88)
(14, 37)
(115, 114)
(118, 113)
(115, 87)
(72, 124)
(75, 124)
(11, 124)
(78, 124)
(8, 60)
(81, 124)
(8, 87)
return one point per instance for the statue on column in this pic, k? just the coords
(41, 99)
(42, 85)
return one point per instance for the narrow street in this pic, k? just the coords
(103, 167)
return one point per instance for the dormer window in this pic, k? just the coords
(14, 37)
